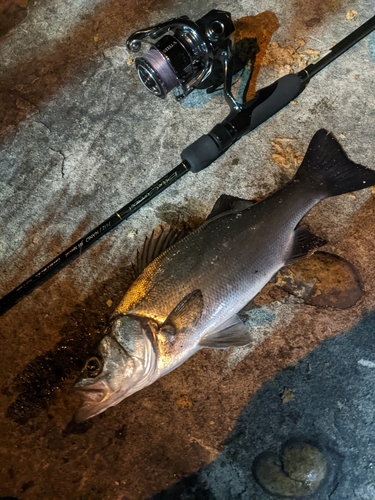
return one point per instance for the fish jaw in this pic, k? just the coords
(93, 399)
(123, 373)
(96, 401)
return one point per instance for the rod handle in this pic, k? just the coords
(266, 103)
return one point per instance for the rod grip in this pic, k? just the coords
(266, 103)
(208, 148)
(286, 89)
(201, 153)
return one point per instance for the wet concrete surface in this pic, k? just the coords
(79, 138)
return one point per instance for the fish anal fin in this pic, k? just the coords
(185, 315)
(230, 334)
(304, 242)
(226, 203)
(160, 240)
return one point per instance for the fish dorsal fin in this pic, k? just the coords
(304, 242)
(232, 333)
(185, 315)
(160, 240)
(225, 203)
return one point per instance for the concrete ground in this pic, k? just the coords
(79, 138)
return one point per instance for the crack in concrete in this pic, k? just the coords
(107, 93)
(44, 125)
(58, 151)
(335, 486)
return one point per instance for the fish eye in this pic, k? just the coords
(93, 366)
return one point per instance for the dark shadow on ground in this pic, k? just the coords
(332, 399)
(36, 385)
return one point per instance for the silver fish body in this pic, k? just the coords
(188, 297)
(229, 258)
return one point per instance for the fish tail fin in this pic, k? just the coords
(327, 169)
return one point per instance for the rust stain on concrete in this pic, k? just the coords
(289, 59)
(284, 153)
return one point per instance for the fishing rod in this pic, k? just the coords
(211, 33)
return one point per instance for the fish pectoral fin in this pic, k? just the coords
(186, 314)
(166, 332)
(304, 242)
(226, 203)
(232, 333)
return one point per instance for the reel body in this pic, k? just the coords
(182, 53)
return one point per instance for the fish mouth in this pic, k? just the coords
(93, 398)
(87, 410)
(95, 391)
(88, 394)
(94, 402)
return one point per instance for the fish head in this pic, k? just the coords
(123, 363)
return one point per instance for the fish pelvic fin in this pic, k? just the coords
(327, 169)
(185, 315)
(304, 242)
(232, 333)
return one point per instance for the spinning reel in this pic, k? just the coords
(185, 55)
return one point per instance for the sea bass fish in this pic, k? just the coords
(189, 293)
